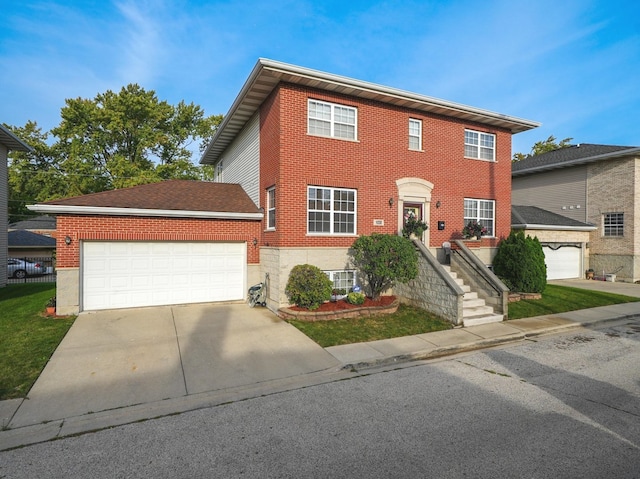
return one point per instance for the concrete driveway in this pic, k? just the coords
(627, 289)
(118, 358)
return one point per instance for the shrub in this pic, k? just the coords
(308, 286)
(519, 263)
(355, 298)
(383, 260)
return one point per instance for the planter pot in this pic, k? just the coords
(337, 297)
(50, 310)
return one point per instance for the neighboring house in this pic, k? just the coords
(317, 160)
(564, 240)
(594, 184)
(25, 244)
(8, 141)
(42, 225)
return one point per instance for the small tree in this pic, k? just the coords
(383, 260)
(308, 286)
(520, 263)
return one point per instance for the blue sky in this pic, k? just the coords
(574, 66)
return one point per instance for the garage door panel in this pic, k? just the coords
(563, 262)
(131, 274)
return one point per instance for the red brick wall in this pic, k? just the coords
(134, 228)
(373, 163)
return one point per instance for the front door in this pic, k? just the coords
(414, 209)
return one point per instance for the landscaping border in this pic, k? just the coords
(355, 312)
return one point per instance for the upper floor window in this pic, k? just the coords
(478, 145)
(415, 134)
(613, 224)
(329, 119)
(482, 211)
(331, 210)
(271, 208)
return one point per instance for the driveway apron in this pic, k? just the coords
(118, 358)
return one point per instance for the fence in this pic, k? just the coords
(31, 269)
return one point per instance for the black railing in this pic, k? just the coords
(31, 269)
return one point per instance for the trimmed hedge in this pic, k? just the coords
(308, 287)
(520, 263)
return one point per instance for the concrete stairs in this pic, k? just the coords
(474, 309)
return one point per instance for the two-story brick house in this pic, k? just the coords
(330, 158)
(313, 160)
(595, 184)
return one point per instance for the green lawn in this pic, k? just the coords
(407, 321)
(410, 321)
(27, 338)
(560, 299)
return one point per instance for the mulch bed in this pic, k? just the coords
(342, 305)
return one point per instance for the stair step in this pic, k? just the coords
(476, 311)
(470, 295)
(473, 303)
(489, 318)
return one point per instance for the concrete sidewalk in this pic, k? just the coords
(188, 357)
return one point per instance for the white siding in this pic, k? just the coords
(241, 160)
(4, 185)
(562, 191)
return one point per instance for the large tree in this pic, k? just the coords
(543, 146)
(115, 140)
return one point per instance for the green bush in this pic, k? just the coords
(308, 286)
(383, 260)
(519, 263)
(355, 298)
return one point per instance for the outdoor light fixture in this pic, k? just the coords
(391, 201)
(438, 204)
(67, 240)
(255, 242)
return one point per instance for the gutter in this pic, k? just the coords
(109, 211)
(553, 227)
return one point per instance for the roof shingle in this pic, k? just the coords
(180, 195)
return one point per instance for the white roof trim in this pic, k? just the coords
(99, 210)
(553, 227)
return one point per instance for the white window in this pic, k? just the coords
(482, 211)
(613, 224)
(271, 208)
(345, 279)
(415, 134)
(329, 119)
(478, 145)
(217, 175)
(331, 210)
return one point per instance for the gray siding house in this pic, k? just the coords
(592, 184)
(8, 141)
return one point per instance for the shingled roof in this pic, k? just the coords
(28, 239)
(44, 222)
(570, 156)
(532, 217)
(167, 198)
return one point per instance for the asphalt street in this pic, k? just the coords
(558, 406)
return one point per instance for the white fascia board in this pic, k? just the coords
(104, 211)
(553, 227)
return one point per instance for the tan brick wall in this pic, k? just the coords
(611, 188)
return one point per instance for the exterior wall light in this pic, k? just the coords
(67, 240)
(391, 201)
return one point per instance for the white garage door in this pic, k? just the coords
(120, 274)
(563, 263)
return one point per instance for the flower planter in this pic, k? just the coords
(50, 310)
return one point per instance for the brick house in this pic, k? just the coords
(325, 159)
(330, 158)
(592, 184)
(8, 141)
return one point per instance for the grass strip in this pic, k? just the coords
(27, 337)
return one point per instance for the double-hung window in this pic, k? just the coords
(480, 146)
(329, 119)
(415, 134)
(613, 224)
(482, 211)
(271, 208)
(331, 210)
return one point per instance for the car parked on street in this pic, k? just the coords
(20, 268)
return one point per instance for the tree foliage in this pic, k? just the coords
(520, 263)
(544, 146)
(384, 260)
(308, 286)
(115, 140)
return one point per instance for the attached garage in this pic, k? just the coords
(173, 242)
(563, 261)
(123, 274)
